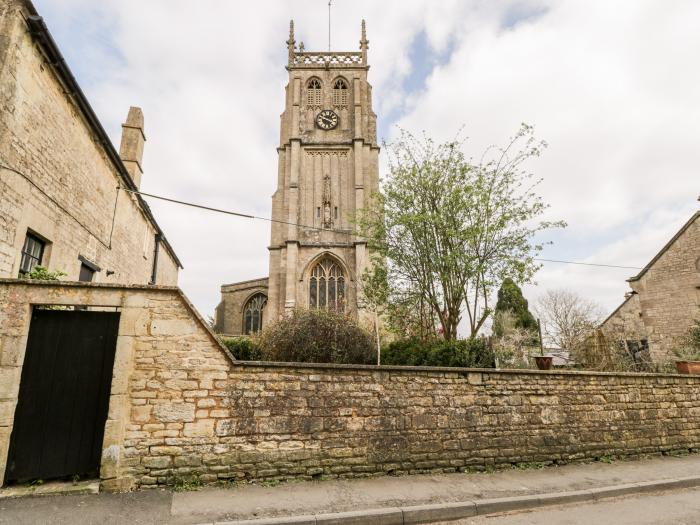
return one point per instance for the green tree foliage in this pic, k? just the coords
(317, 336)
(446, 231)
(511, 299)
(470, 353)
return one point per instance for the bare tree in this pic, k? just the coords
(567, 318)
(515, 344)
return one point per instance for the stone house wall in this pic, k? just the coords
(57, 178)
(229, 312)
(181, 407)
(669, 291)
(666, 294)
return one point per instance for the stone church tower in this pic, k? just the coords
(328, 169)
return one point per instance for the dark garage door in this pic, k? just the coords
(63, 395)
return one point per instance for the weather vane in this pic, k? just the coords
(329, 25)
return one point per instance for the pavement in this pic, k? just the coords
(680, 507)
(405, 499)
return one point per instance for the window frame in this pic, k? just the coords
(31, 236)
(340, 95)
(314, 94)
(327, 285)
(261, 299)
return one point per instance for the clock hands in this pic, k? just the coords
(327, 120)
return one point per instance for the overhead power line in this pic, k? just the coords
(289, 223)
(590, 264)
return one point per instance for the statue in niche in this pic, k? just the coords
(327, 217)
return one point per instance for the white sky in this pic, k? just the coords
(613, 87)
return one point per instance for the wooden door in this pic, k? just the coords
(63, 395)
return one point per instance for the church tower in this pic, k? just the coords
(328, 169)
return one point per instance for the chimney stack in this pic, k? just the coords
(131, 149)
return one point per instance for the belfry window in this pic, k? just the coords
(253, 313)
(327, 286)
(313, 92)
(340, 93)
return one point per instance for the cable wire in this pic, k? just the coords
(249, 216)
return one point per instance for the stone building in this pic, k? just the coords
(665, 297)
(328, 169)
(65, 202)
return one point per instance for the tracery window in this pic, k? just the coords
(313, 92)
(253, 313)
(327, 286)
(340, 93)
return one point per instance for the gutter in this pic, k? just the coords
(42, 36)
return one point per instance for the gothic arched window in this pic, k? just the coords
(340, 93)
(327, 286)
(253, 313)
(313, 92)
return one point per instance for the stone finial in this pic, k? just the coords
(291, 42)
(131, 148)
(364, 43)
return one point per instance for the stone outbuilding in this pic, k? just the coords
(66, 194)
(665, 297)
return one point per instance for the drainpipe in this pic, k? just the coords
(156, 246)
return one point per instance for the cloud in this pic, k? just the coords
(610, 85)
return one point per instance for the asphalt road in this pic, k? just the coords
(680, 507)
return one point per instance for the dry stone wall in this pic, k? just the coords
(265, 421)
(180, 407)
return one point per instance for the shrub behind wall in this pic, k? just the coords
(469, 353)
(317, 336)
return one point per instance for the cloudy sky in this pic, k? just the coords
(613, 87)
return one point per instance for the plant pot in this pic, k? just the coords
(544, 362)
(688, 367)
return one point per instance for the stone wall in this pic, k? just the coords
(56, 178)
(281, 422)
(669, 292)
(161, 338)
(181, 407)
(666, 295)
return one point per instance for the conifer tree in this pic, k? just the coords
(511, 299)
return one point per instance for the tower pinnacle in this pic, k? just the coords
(364, 43)
(291, 42)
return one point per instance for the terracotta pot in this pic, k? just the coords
(544, 362)
(688, 367)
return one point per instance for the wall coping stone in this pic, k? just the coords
(127, 287)
(458, 370)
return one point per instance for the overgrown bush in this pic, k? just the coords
(243, 348)
(317, 336)
(470, 353)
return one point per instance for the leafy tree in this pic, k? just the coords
(449, 230)
(511, 299)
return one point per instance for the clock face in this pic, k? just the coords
(327, 119)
